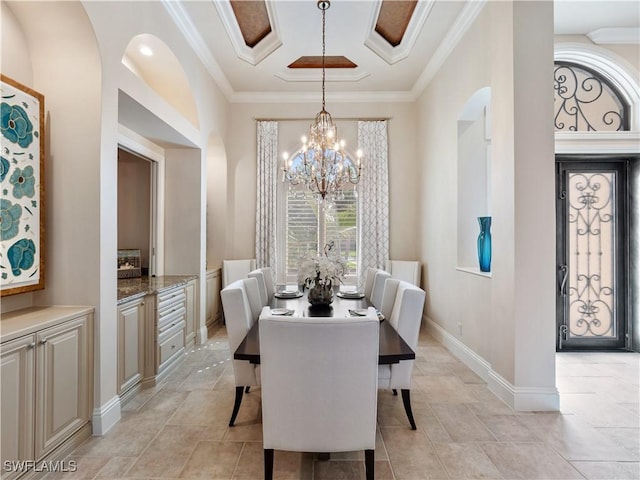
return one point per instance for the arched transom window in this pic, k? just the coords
(585, 101)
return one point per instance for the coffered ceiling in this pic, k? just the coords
(270, 50)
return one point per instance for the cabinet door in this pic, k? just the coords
(131, 321)
(211, 292)
(190, 315)
(62, 382)
(17, 377)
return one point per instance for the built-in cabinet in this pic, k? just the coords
(214, 305)
(191, 314)
(131, 328)
(153, 332)
(46, 371)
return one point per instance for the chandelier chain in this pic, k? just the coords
(324, 11)
(322, 165)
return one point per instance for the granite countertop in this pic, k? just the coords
(130, 288)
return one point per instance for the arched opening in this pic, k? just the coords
(474, 175)
(150, 59)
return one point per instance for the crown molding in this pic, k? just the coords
(384, 49)
(190, 32)
(264, 48)
(451, 39)
(306, 97)
(619, 35)
(333, 75)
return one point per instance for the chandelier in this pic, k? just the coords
(324, 167)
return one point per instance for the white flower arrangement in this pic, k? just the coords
(326, 270)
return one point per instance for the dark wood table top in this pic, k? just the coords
(392, 349)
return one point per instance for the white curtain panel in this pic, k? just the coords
(267, 141)
(373, 197)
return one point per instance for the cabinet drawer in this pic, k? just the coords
(173, 345)
(171, 319)
(170, 298)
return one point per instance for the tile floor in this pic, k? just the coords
(179, 428)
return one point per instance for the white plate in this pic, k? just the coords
(280, 311)
(288, 294)
(351, 295)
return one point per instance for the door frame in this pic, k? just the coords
(621, 162)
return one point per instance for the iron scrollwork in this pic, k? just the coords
(591, 310)
(584, 101)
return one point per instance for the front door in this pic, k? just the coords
(592, 252)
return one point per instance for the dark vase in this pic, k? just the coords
(320, 295)
(484, 244)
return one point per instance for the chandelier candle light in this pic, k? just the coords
(325, 167)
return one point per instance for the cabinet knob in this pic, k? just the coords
(43, 341)
(142, 304)
(31, 345)
(172, 347)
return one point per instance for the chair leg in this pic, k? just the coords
(236, 405)
(268, 464)
(395, 392)
(369, 464)
(246, 389)
(406, 400)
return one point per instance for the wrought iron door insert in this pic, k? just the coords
(592, 253)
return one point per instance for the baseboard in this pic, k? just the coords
(106, 416)
(523, 399)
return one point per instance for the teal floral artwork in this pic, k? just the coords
(23, 182)
(10, 214)
(4, 168)
(21, 187)
(15, 124)
(22, 254)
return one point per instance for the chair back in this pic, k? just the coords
(239, 319)
(369, 278)
(253, 296)
(409, 271)
(233, 270)
(319, 382)
(259, 275)
(269, 283)
(406, 317)
(389, 296)
(378, 288)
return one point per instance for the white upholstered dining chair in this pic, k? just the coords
(233, 270)
(405, 318)
(319, 385)
(266, 286)
(378, 288)
(241, 305)
(406, 270)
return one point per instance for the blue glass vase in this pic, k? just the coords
(484, 244)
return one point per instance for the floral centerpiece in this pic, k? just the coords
(320, 273)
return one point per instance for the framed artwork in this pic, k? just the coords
(22, 188)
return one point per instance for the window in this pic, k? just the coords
(299, 212)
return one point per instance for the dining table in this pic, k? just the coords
(392, 347)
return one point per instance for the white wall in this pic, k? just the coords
(506, 320)
(404, 184)
(72, 53)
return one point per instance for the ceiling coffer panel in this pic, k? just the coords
(330, 61)
(393, 20)
(253, 20)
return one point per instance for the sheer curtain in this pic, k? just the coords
(267, 141)
(373, 197)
